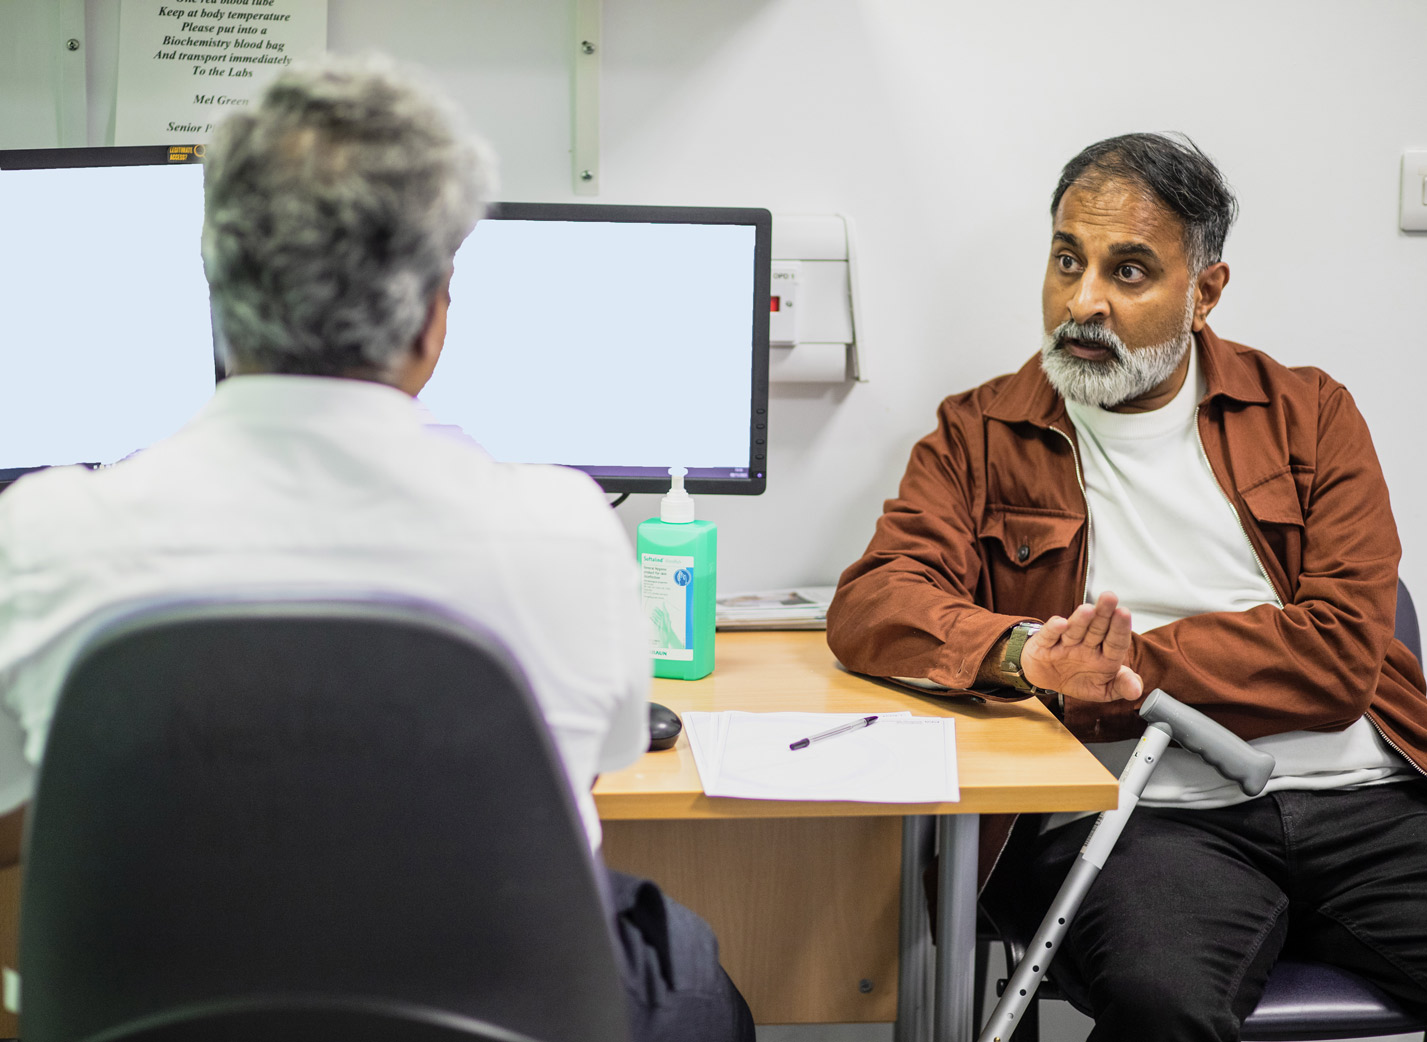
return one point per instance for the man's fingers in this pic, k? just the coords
(1116, 644)
(1051, 631)
(1077, 625)
(1127, 685)
(1104, 613)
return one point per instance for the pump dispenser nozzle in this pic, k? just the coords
(677, 508)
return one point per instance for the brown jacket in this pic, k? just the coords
(989, 528)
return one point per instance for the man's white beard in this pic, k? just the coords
(1111, 381)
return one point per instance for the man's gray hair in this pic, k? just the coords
(1177, 172)
(332, 212)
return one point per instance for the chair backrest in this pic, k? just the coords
(291, 800)
(1315, 1001)
(310, 1020)
(1406, 628)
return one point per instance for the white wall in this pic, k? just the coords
(939, 127)
(35, 70)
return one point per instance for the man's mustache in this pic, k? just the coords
(1089, 334)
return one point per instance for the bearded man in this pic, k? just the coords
(1143, 506)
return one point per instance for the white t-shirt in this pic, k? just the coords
(1167, 541)
(313, 484)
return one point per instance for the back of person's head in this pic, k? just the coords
(332, 212)
(1176, 172)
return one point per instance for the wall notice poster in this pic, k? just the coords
(184, 63)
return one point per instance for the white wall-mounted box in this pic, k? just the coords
(815, 318)
(1412, 207)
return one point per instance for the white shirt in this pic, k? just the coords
(1165, 538)
(316, 483)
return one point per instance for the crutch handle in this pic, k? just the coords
(1223, 750)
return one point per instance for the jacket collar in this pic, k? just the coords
(1027, 396)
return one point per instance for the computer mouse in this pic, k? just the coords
(664, 726)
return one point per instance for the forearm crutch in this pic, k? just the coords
(1168, 719)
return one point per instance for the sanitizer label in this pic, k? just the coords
(668, 593)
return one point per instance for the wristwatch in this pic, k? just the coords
(1011, 661)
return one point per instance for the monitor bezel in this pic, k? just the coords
(761, 220)
(93, 156)
(99, 155)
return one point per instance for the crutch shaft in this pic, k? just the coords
(1028, 974)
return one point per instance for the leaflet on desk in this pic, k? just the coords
(902, 759)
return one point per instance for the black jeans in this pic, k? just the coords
(1179, 931)
(677, 989)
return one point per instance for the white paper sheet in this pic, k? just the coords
(183, 65)
(899, 759)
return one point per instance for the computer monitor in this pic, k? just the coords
(106, 341)
(620, 340)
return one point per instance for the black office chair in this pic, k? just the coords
(308, 819)
(1302, 1001)
(315, 1020)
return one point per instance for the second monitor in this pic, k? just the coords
(621, 340)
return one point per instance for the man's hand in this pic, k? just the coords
(1084, 656)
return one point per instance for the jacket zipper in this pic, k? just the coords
(1089, 526)
(1264, 572)
(1410, 761)
(1234, 510)
(1089, 519)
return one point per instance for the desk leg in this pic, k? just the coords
(915, 952)
(956, 927)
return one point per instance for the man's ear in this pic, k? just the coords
(433, 333)
(425, 350)
(1208, 288)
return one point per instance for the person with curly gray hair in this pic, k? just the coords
(334, 208)
(332, 214)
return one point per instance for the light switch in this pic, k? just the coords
(1412, 212)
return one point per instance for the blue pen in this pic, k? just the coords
(856, 725)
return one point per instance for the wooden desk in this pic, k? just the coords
(803, 895)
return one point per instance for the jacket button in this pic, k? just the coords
(1023, 553)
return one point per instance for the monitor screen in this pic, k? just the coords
(621, 340)
(105, 336)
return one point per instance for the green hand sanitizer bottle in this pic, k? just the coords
(677, 561)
